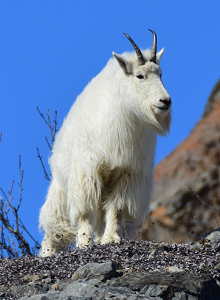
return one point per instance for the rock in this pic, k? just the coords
(102, 281)
(170, 284)
(16, 292)
(54, 287)
(154, 290)
(32, 278)
(157, 251)
(207, 240)
(186, 198)
(102, 271)
(173, 269)
(139, 263)
(81, 290)
(213, 236)
(51, 295)
(151, 286)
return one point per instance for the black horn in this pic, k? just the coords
(140, 57)
(154, 47)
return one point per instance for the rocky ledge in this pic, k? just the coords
(128, 270)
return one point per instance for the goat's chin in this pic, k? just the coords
(161, 122)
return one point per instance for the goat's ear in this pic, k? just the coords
(159, 55)
(123, 63)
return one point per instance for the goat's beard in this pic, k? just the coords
(160, 122)
(164, 120)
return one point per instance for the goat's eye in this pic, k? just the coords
(140, 76)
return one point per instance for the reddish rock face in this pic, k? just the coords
(186, 198)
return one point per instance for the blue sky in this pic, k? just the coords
(50, 50)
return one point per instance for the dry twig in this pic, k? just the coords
(14, 229)
(53, 131)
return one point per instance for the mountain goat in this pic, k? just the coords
(103, 156)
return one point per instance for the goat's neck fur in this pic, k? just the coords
(127, 137)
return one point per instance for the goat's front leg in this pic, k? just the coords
(85, 232)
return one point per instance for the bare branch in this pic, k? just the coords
(12, 240)
(53, 128)
(14, 229)
(41, 114)
(48, 144)
(14, 246)
(23, 227)
(5, 196)
(53, 131)
(42, 164)
(21, 174)
(10, 196)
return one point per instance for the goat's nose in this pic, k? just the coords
(166, 101)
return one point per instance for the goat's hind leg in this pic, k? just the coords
(60, 237)
(54, 220)
(49, 246)
(100, 226)
(112, 217)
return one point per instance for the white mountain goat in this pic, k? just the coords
(103, 156)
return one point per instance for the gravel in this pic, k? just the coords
(200, 257)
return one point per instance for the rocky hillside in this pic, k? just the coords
(186, 199)
(128, 270)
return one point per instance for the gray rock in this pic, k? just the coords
(184, 296)
(154, 290)
(87, 290)
(101, 271)
(174, 269)
(213, 236)
(202, 286)
(79, 290)
(101, 281)
(156, 252)
(51, 295)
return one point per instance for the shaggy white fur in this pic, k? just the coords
(103, 156)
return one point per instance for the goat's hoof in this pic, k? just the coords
(47, 252)
(84, 242)
(110, 238)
